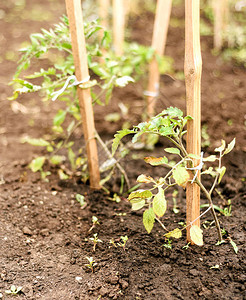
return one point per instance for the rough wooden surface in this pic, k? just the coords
(74, 12)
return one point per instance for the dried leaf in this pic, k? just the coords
(144, 179)
(156, 161)
(176, 233)
(196, 235)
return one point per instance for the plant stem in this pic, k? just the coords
(110, 156)
(162, 225)
(207, 194)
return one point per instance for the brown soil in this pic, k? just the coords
(44, 233)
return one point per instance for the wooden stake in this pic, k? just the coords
(163, 11)
(103, 15)
(103, 12)
(75, 17)
(193, 69)
(118, 26)
(220, 19)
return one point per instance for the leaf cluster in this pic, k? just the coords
(171, 124)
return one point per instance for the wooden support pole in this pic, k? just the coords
(103, 12)
(220, 8)
(103, 15)
(118, 26)
(193, 70)
(75, 17)
(163, 11)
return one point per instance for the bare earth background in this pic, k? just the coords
(42, 227)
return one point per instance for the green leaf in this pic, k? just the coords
(80, 199)
(149, 219)
(117, 138)
(221, 148)
(138, 205)
(59, 117)
(156, 161)
(164, 131)
(36, 142)
(194, 156)
(141, 194)
(174, 112)
(113, 117)
(230, 146)
(37, 163)
(57, 159)
(210, 158)
(181, 176)
(160, 203)
(221, 172)
(123, 81)
(71, 157)
(209, 171)
(176, 233)
(196, 235)
(234, 246)
(172, 150)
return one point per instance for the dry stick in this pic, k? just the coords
(163, 11)
(193, 69)
(118, 26)
(220, 16)
(74, 12)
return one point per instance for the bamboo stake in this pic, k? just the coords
(193, 70)
(163, 11)
(74, 12)
(118, 26)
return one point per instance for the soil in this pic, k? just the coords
(45, 233)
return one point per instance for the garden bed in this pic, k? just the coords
(44, 231)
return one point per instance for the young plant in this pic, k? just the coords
(91, 265)
(95, 240)
(122, 244)
(94, 223)
(81, 200)
(58, 82)
(170, 124)
(14, 290)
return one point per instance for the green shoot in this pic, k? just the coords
(91, 265)
(122, 244)
(94, 223)
(95, 240)
(14, 290)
